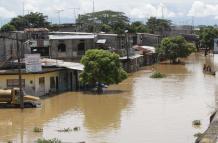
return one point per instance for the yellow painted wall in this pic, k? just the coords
(33, 88)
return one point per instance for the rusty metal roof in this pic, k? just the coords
(36, 30)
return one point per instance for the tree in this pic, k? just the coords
(7, 28)
(175, 47)
(32, 20)
(102, 67)
(116, 22)
(137, 27)
(158, 25)
(207, 36)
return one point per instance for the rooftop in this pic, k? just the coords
(70, 37)
(131, 57)
(15, 71)
(36, 30)
(62, 64)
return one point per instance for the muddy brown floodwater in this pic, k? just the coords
(139, 110)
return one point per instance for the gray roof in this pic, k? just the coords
(71, 37)
(101, 41)
(62, 64)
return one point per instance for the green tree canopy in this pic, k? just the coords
(158, 25)
(114, 21)
(207, 36)
(175, 47)
(32, 20)
(103, 67)
(138, 27)
(8, 28)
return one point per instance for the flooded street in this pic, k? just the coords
(140, 110)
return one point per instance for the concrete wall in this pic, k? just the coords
(8, 46)
(146, 39)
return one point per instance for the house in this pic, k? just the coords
(70, 47)
(149, 53)
(114, 42)
(146, 39)
(37, 41)
(8, 45)
(55, 76)
(132, 63)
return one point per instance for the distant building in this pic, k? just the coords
(181, 29)
(216, 46)
(146, 39)
(68, 27)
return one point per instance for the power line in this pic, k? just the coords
(59, 15)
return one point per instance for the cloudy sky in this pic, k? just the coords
(180, 11)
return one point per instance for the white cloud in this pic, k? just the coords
(149, 10)
(202, 9)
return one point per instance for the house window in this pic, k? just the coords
(81, 47)
(62, 47)
(12, 83)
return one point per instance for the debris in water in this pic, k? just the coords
(197, 135)
(76, 128)
(196, 123)
(65, 130)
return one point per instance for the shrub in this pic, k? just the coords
(157, 75)
(37, 130)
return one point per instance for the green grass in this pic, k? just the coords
(48, 141)
(157, 75)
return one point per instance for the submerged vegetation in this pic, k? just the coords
(196, 123)
(37, 130)
(157, 75)
(48, 141)
(65, 130)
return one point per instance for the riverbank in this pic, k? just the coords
(211, 134)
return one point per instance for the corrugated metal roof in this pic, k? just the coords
(70, 37)
(131, 57)
(36, 30)
(63, 64)
(149, 49)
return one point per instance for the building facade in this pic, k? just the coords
(70, 47)
(49, 81)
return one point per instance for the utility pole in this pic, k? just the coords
(193, 25)
(162, 11)
(93, 13)
(127, 48)
(23, 8)
(75, 15)
(20, 72)
(59, 15)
